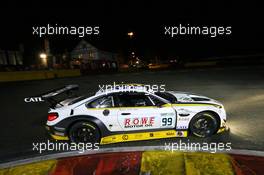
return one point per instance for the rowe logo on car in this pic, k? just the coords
(139, 122)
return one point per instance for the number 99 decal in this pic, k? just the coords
(167, 120)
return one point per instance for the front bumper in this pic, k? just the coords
(223, 129)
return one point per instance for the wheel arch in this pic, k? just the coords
(81, 120)
(69, 122)
(218, 118)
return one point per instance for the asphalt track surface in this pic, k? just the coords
(240, 89)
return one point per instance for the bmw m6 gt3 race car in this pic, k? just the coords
(121, 114)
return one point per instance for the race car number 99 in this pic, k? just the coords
(166, 121)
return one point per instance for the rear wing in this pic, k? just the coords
(55, 96)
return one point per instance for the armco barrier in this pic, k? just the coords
(37, 75)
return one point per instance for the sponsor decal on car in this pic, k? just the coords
(33, 99)
(170, 133)
(139, 122)
(125, 137)
(142, 136)
(181, 127)
(183, 119)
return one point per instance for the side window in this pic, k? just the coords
(156, 100)
(103, 102)
(133, 100)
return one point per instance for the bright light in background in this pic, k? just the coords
(43, 58)
(130, 34)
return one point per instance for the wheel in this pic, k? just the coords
(204, 124)
(84, 132)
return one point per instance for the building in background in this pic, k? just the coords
(91, 59)
(11, 59)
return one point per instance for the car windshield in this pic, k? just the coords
(167, 96)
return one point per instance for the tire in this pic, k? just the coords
(204, 124)
(84, 132)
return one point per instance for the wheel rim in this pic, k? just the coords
(83, 134)
(204, 126)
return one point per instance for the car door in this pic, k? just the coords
(137, 111)
(104, 109)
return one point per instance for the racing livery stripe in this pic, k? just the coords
(57, 137)
(165, 105)
(196, 104)
(142, 136)
(139, 136)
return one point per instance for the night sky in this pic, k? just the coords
(146, 19)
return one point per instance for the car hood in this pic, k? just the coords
(192, 97)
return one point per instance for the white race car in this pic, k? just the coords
(131, 114)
